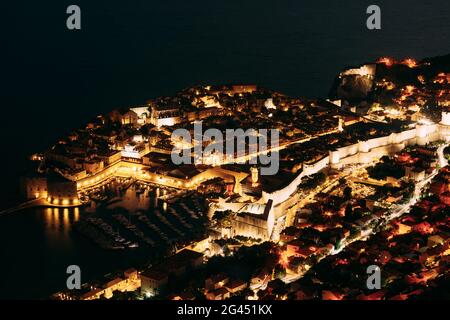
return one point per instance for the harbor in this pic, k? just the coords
(138, 223)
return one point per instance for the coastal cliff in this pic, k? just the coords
(378, 82)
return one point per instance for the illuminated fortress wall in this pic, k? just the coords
(34, 187)
(445, 126)
(373, 154)
(251, 226)
(445, 118)
(365, 70)
(362, 152)
(283, 194)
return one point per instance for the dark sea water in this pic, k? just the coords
(55, 80)
(39, 244)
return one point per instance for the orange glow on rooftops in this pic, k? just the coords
(386, 61)
(411, 63)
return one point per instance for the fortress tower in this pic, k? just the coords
(445, 118)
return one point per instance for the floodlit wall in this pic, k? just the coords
(364, 152)
(445, 118)
(283, 194)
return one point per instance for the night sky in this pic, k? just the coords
(129, 51)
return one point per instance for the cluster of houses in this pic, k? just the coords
(129, 281)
